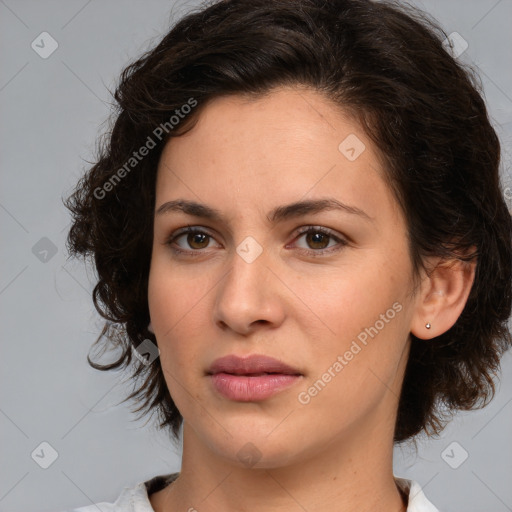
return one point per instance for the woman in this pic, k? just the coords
(300, 234)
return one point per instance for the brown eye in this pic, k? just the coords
(189, 240)
(198, 240)
(317, 240)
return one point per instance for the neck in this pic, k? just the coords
(349, 474)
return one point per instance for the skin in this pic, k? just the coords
(244, 157)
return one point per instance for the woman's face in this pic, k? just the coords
(334, 304)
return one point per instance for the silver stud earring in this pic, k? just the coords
(427, 325)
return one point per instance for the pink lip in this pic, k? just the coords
(242, 388)
(254, 363)
(251, 378)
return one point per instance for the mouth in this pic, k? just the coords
(251, 379)
(253, 387)
(254, 374)
(251, 366)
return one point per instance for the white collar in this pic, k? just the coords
(418, 502)
(135, 499)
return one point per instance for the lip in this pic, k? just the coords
(252, 378)
(249, 365)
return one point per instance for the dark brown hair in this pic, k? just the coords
(384, 64)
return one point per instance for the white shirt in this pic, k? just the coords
(135, 499)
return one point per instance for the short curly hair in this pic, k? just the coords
(387, 66)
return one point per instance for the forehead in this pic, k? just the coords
(289, 144)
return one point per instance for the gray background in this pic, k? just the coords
(51, 112)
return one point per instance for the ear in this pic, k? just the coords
(442, 296)
(150, 328)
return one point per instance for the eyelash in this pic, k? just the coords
(310, 252)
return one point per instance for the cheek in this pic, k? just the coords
(364, 306)
(359, 361)
(352, 298)
(180, 308)
(174, 294)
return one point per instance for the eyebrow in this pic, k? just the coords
(279, 213)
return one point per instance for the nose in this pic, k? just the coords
(249, 296)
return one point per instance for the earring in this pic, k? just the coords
(427, 325)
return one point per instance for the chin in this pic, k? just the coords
(256, 451)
